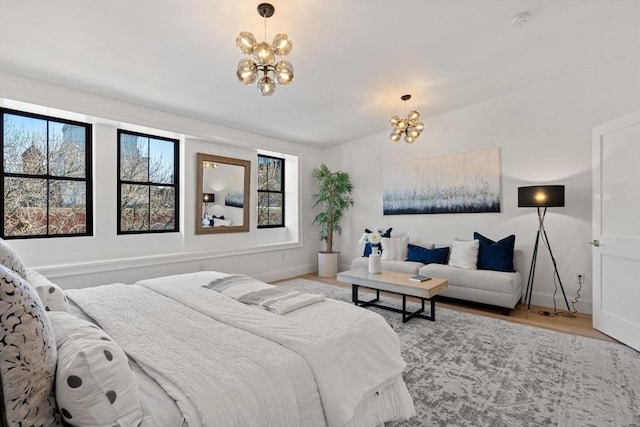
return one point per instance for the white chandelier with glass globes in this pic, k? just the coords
(411, 127)
(264, 57)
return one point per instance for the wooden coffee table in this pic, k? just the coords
(397, 283)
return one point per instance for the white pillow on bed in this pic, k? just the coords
(95, 385)
(51, 295)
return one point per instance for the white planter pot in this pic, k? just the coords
(327, 264)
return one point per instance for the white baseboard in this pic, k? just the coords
(545, 299)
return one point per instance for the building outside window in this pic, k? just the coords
(270, 191)
(46, 176)
(147, 183)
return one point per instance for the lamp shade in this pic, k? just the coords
(208, 197)
(538, 196)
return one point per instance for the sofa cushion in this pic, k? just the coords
(495, 281)
(497, 256)
(464, 254)
(395, 248)
(407, 267)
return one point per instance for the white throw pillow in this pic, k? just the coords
(464, 254)
(95, 385)
(51, 295)
(395, 248)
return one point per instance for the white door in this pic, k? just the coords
(616, 229)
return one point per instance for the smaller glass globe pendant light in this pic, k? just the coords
(263, 64)
(411, 127)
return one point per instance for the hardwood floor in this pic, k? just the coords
(580, 324)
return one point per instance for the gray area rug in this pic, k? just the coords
(470, 370)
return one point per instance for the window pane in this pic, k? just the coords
(67, 207)
(163, 209)
(263, 209)
(275, 209)
(134, 208)
(274, 176)
(25, 145)
(161, 161)
(134, 158)
(269, 209)
(25, 206)
(67, 150)
(269, 173)
(263, 171)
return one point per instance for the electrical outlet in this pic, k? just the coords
(580, 277)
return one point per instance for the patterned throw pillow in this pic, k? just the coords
(95, 385)
(51, 295)
(27, 354)
(10, 259)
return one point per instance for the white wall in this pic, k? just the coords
(106, 257)
(544, 136)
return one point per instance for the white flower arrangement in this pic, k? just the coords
(373, 237)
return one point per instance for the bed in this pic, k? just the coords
(198, 349)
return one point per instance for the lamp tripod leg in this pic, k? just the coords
(555, 268)
(532, 272)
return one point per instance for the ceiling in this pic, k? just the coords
(353, 59)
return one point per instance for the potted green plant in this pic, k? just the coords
(333, 198)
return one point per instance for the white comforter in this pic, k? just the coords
(227, 370)
(353, 352)
(230, 364)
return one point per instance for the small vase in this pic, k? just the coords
(375, 263)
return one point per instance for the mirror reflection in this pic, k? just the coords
(222, 196)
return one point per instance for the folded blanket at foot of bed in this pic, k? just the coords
(273, 298)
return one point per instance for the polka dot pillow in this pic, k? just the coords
(27, 355)
(51, 295)
(95, 385)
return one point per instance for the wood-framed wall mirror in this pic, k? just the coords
(222, 194)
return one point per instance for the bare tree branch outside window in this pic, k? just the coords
(46, 176)
(147, 183)
(270, 191)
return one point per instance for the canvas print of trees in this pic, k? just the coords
(456, 183)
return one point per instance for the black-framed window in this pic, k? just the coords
(270, 191)
(147, 183)
(46, 176)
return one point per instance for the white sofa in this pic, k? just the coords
(496, 288)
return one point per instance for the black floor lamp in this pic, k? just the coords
(541, 197)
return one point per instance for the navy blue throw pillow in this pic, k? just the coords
(496, 256)
(367, 246)
(427, 256)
